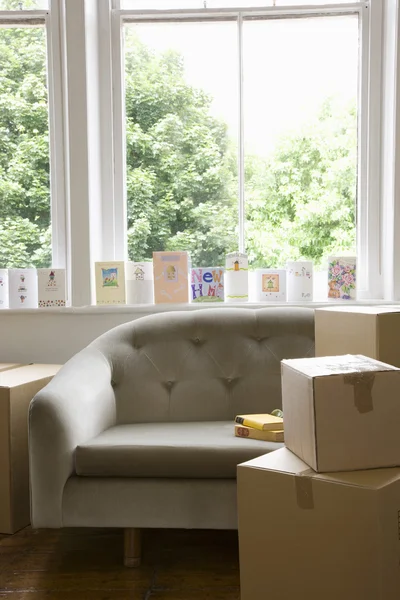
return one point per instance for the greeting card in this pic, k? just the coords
(23, 288)
(342, 278)
(51, 288)
(237, 277)
(110, 282)
(139, 283)
(207, 284)
(4, 292)
(171, 270)
(299, 280)
(271, 285)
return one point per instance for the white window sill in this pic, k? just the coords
(159, 308)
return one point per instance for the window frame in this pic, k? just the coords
(50, 19)
(369, 106)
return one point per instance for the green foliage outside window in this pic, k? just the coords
(182, 176)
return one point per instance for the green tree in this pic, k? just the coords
(181, 168)
(24, 148)
(302, 201)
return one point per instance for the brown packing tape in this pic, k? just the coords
(363, 384)
(304, 490)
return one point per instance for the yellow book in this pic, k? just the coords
(257, 434)
(262, 422)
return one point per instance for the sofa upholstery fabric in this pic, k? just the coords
(189, 450)
(200, 366)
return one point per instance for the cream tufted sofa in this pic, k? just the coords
(136, 430)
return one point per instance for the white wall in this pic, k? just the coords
(55, 335)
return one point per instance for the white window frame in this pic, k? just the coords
(369, 240)
(51, 21)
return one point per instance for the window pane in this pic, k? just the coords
(24, 4)
(181, 137)
(300, 117)
(25, 238)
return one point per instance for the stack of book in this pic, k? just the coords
(260, 427)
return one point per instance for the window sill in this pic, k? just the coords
(159, 308)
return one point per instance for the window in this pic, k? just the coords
(242, 132)
(25, 198)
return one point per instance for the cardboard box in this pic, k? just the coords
(342, 413)
(304, 535)
(17, 388)
(8, 366)
(368, 330)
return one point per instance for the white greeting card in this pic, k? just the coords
(139, 282)
(110, 282)
(237, 277)
(23, 288)
(52, 288)
(271, 285)
(299, 281)
(4, 288)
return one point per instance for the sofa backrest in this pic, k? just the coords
(204, 365)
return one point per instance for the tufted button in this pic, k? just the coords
(113, 383)
(229, 380)
(197, 340)
(170, 384)
(258, 339)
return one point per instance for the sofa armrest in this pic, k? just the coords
(78, 404)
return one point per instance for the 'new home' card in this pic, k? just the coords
(207, 284)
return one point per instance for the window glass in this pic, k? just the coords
(25, 235)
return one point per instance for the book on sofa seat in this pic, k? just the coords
(257, 434)
(263, 422)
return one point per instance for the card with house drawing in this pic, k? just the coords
(207, 284)
(171, 270)
(271, 285)
(139, 282)
(237, 277)
(51, 288)
(110, 282)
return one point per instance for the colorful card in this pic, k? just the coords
(139, 282)
(52, 288)
(271, 285)
(110, 282)
(23, 288)
(171, 270)
(299, 281)
(342, 278)
(237, 277)
(207, 284)
(4, 292)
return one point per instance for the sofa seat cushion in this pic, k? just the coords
(189, 450)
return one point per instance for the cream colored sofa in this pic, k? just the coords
(136, 430)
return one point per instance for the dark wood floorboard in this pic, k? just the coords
(86, 564)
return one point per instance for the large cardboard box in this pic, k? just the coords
(369, 330)
(17, 388)
(310, 536)
(342, 413)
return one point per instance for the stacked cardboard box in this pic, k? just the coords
(322, 515)
(18, 385)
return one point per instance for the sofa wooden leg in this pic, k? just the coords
(132, 547)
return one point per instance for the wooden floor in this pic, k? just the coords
(84, 564)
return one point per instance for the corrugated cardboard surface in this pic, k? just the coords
(17, 388)
(372, 331)
(303, 535)
(342, 422)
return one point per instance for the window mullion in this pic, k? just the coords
(241, 181)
